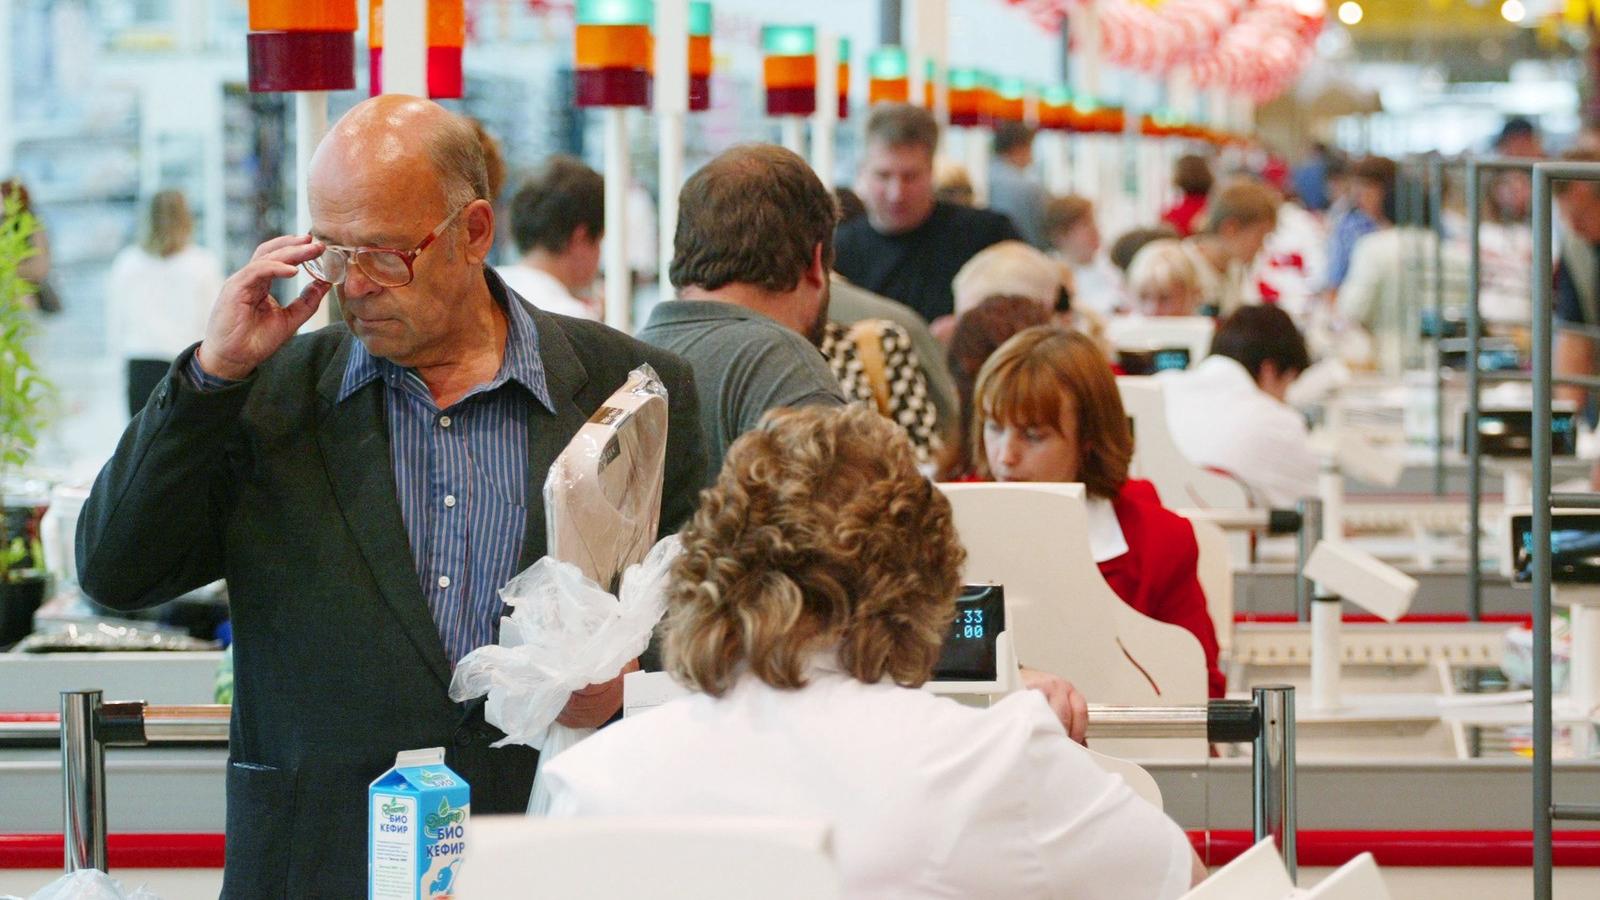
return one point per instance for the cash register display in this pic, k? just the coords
(1574, 548)
(1149, 362)
(970, 648)
(1509, 433)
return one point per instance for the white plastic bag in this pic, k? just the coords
(87, 884)
(564, 633)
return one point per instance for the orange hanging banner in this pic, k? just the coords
(303, 15)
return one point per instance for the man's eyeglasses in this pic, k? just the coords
(390, 268)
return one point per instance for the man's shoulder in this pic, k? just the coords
(857, 232)
(978, 225)
(600, 345)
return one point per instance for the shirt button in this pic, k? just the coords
(450, 501)
(444, 421)
(444, 581)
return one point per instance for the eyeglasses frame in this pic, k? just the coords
(409, 256)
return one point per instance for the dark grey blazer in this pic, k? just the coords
(338, 663)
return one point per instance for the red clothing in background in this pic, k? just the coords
(1184, 213)
(1157, 574)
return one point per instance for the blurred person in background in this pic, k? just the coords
(1371, 181)
(1013, 190)
(1387, 288)
(1074, 235)
(558, 219)
(952, 185)
(36, 268)
(1128, 244)
(1577, 287)
(159, 295)
(1238, 219)
(1191, 175)
(1163, 282)
(1230, 411)
(910, 245)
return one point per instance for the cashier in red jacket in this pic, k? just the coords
(1048, 410)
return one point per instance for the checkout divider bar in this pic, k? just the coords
(87, 725)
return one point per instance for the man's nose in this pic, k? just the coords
(358, 284)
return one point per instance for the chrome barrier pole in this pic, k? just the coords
(1436, 212)
(83, 779)
(1272, 770)
(1310, 509)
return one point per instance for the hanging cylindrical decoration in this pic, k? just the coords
(699, 56)
(844, 78)
(1055, 108)
(790, 69)
(1008, 100)
(888, 76)
(969, 98)
(446, 36)
(612, 67)
(301, 45)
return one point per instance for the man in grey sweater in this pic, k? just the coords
(752, 255)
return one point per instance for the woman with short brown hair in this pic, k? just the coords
(1046, 408)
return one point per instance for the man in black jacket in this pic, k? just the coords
(365, 490)
(909, 247)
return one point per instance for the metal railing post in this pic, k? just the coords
(1272, 769)
(1310, 509)
(1543, 295)
(1436, 212)
(1474, 398)
(83, 780)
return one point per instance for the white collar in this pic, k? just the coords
(1106, 541)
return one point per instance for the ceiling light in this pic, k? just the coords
(1513, 11)
(1350, 11)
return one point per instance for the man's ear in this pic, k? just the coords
(817, 273)
(479, 216)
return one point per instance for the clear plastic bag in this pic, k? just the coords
(564, 633)
(87, 884)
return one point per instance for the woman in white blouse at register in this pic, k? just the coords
(817, 583)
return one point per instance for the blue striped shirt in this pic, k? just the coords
(461, 476)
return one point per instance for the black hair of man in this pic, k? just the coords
(548, 208)
(753, 215)
(1258, 334)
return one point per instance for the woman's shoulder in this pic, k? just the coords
(1142, 515)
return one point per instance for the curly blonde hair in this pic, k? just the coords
(819, 534)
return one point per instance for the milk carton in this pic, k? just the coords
(416, 828)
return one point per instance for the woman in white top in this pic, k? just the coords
(816, 587)
(159, 295)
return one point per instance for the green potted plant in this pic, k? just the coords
(22, 394)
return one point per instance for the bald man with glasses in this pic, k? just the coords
(365, 489)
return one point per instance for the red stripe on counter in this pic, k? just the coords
(1523, 619)
(123, 851)
(1408, 849)
(1412, 849)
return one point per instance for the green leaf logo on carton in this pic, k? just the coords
(393, 807)
(435, 823)
(436, 779)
